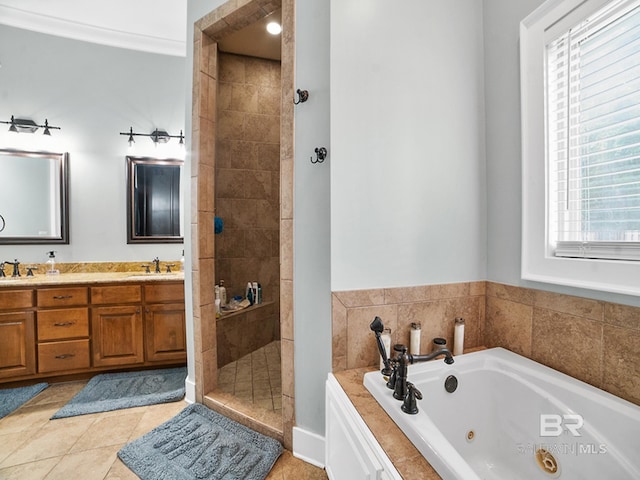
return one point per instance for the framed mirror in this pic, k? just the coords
(154, 200)
(34, 198)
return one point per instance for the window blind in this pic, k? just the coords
(593, 136)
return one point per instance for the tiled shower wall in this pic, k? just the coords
(248, 198)
(596, 342)
(248, 174)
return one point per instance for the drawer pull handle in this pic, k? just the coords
(62, 297)
(64, 324)
(11, 324)
(65, 355)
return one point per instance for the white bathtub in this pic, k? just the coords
(490, 427)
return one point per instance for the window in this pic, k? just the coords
(593, 135)
(580, 79)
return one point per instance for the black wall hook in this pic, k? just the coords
(303, 96)
(321, 154)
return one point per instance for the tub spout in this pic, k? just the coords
(402, 362)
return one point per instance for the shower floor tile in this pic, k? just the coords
(255, 378)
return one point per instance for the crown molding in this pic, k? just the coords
(51, 25)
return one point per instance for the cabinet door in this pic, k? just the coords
(165, 337)
(117, 335)
(17, 344)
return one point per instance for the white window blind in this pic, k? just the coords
(592, 99)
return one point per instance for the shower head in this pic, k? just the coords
(377, 325)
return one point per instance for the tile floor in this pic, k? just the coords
(32, 447)
(255, 378)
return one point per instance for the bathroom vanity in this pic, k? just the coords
(72, 324)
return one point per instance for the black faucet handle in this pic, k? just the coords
(169, 265)
(146, 268)
(410, 405)
(30, 271)
(2, 274)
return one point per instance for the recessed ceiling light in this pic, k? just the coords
(274, 28)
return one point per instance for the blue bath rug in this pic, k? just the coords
(199, 443)
(12, 398)
(113, 391)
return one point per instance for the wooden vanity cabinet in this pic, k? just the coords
(48, 331)
(63, 329)
(164, 322)
(17, 333)
(117, 327)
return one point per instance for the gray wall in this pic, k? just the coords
(504, 190)
(93, 93)
(312, 239)
(407, 135)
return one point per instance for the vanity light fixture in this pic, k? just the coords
(24, 125)
(157, 136)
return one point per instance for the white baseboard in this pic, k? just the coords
(308, 446)
(190, 391)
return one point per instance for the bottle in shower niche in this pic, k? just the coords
(458, 336)
(249, 294)
(414, 340)
(385, 336)
(217, 302)
(223, 294)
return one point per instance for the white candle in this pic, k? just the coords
(414, 344)
(458, 337)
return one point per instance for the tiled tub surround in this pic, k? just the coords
(434, 307)
(594, 341)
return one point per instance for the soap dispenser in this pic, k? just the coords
(51, 264)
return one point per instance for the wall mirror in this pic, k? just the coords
(34, 198)
(154, 200)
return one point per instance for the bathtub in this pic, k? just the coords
(512, 418)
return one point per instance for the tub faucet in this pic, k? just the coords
(400, 384)
(397, 368)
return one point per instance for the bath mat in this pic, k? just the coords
(113, 391)
(12, 398)
(199, 443)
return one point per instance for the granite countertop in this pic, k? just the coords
(405, 457)
(89, 278)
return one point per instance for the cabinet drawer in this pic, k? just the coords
(58, 356)
(116, 294)
(62, 297)
(164, 292)
(12, 299)
(63, 323)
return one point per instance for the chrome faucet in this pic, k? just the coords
(396, 369)
(156, 262)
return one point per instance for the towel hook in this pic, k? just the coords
(303, 96)
(321, 154)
